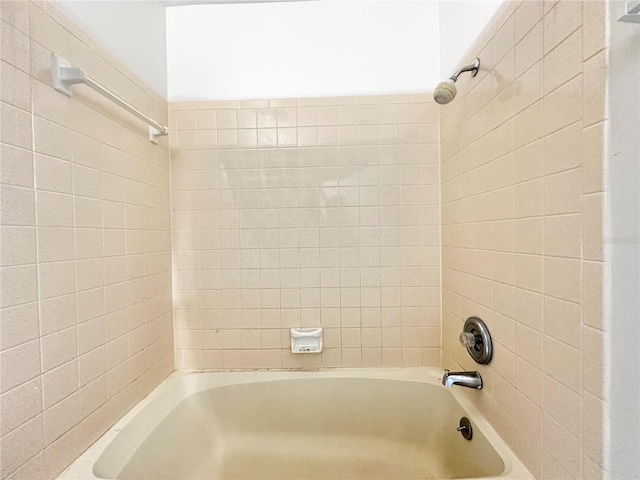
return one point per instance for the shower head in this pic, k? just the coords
(446, 91)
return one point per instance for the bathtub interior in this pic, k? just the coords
(324, 428)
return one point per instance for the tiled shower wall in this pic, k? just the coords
(522, 230)
(306, 213)
(86, 320)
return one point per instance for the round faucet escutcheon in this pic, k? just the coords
(475, 337)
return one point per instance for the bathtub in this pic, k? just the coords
(336, 424)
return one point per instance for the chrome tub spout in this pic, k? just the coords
(464, 379)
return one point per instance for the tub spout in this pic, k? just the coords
(464, 379)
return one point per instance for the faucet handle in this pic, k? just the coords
(468, 339)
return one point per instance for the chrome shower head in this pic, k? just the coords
(446, 91)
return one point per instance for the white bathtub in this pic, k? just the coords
(336, 424)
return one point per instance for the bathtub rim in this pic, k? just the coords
(181, 384)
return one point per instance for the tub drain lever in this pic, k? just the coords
(465, 428)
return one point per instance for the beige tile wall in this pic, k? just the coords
(522, 219)
(86, 319)
(308, 212)
(303, 213)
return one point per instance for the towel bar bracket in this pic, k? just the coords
(632, 12)
(64, 75)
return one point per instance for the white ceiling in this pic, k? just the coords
(333, 47)
(301, 49)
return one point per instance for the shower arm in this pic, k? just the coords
(474, 67)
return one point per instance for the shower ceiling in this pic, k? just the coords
(301, 49)
(427, 46)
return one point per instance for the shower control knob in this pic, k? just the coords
(467, 339)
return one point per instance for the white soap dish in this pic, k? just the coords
(306, 340)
